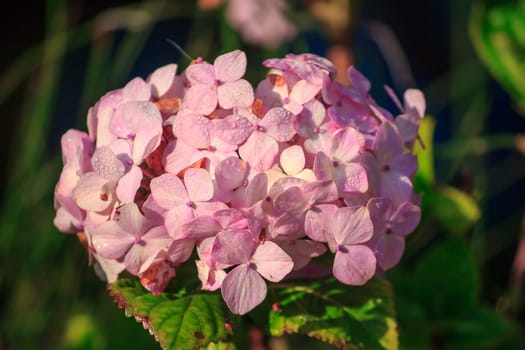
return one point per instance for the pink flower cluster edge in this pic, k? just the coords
(247, 184)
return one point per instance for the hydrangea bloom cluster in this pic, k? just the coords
(247, 184)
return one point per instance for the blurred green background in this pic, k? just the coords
(461, 283)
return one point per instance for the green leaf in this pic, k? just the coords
(455, 210)
(425, 154)
(185, 321)
(446, 282)
(484, 329)
(221, 346)
(497, 29)
(350, 317)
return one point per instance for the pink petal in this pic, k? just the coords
(163, 80)
(321, 142)
(388, 143)
(283, 183)
(202, 73)
(136, 257)
(230, 174)
(346, 145)
(358, 80)
(233, 129)
(235, 94)
(279, 124)
(312, 116)
(321, 191)
(233, 246)
(200, 99)
(259, 151)
(351, 177)
(271, 261)
(180, 250)
(316, 222)
(122, 149)
(302, 251)
(142, 255)
(380, 212)
(405, 163)
(175, 218)
(243, 289)
(201, 227)
(69, 219)
(395, 186)
(199, 185)
(292, 160)
(354, 265)
(290, 201)
(246, 197)
(93, 192)
(137, 90)
(132, 221)
(110, 242)
(129, 184)
(168, 191)
(193, 129)
(177, 156)
(415, 102)
(77, 147)
(152, 210)
(104, 134)
(286, 227)
(209, 208)
(351, 225)
(408, 128)
(204, 251)
(230, 66)
(406, 218)
(110, 268)
(322, 166)
(107, 165)
(271, 94)
(142, 122)
(231, 218)
(389, 250)
(303, 92)
(211, 278)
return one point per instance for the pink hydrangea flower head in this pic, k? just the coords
(258, 185)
